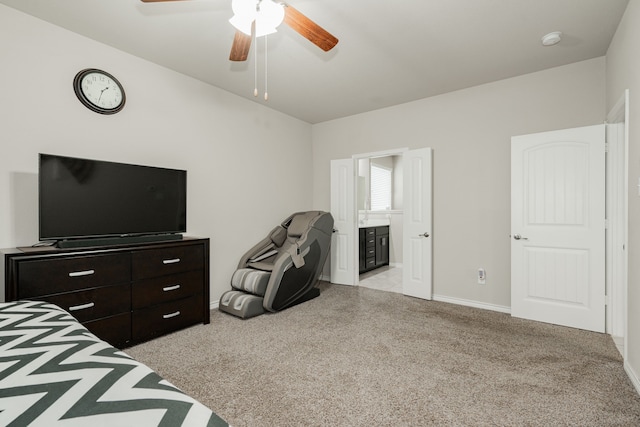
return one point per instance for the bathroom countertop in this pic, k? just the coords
(373, 223)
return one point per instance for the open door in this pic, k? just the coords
(417, 223)
(558, 227)
(343, 209)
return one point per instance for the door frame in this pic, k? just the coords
(617, 176)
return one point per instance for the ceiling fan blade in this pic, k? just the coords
(240, 47)
(308, 29)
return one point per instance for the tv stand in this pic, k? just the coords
(124, 294)
(118, 240)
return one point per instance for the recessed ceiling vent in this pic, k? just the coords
(552, 38)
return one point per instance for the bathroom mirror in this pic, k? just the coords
(380, 183)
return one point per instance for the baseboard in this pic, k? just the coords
(619, 342)
(325, 278)
(475, 304)
(632, 376)
(460, 301)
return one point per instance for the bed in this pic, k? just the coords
(54, 372)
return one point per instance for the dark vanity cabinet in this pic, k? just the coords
(373, 247)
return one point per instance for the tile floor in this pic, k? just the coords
(383, 279)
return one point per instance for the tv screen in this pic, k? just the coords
(81, 198)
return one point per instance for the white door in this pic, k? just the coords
(343, 208)
(417, 247)
(557, 227)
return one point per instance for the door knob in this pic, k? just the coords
(425, 234)
(519, 237)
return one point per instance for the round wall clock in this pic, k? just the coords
(99, 91)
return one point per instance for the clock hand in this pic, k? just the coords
(101, 92)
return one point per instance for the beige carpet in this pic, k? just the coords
(361, 357)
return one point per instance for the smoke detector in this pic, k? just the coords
(552, 38)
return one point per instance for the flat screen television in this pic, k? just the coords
(83, 200)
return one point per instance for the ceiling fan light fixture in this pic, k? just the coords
(266, 13)
(241, 24)
(244, 13)
(270, 15)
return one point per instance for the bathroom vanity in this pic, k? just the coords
(373, 246)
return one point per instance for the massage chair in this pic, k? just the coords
(283, 268)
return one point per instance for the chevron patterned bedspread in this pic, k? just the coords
(54, 372)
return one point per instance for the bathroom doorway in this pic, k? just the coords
(416, 242)
(379, 201)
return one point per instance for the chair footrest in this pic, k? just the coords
(241, 304)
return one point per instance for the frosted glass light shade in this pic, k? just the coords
(267, 18)
(270, 16)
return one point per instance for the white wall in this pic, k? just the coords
(470, 133)
(248, 166)
(623, 72)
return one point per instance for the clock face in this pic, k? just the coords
(99, 91)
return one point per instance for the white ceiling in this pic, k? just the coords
(390, 52)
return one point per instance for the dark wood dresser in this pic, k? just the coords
(123, 294)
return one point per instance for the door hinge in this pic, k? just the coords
(606, 224)
(606, 147)
(607, 300)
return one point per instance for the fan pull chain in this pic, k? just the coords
(266, 94)
(255, 70)
(255, 62)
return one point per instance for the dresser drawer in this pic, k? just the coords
(56, 275)
(116, 330)
(166, 288)
(94, 303)
(164, 318)
(161, 262)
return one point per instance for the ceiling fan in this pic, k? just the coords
(292, 17)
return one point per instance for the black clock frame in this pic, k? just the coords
(77, 87)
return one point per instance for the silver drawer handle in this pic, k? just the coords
(171, 288)
(169, 316)
(171, 261)
(81, 273)
(81, 307)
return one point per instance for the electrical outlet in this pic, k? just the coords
(482, 276)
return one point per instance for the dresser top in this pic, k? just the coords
(34, 250)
